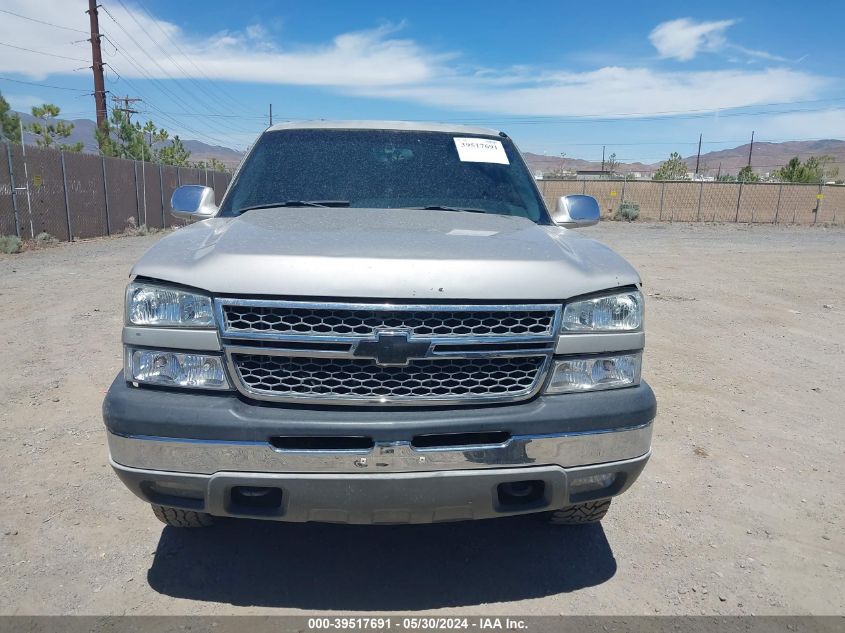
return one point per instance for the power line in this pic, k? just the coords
(32, 50)
(175, 122)
(126, 101)
(160, 67)
(512, 120)
(564, 120)
(221, 116)
(58, 26)
(131, 60)
(32, 83)
(723, 142)
(164, 51)
(637, 116)
(161, 87)
(143, 50)
(188, 58)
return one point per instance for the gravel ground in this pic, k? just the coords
(739, 511)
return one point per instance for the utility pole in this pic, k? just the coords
(750, 148)
(127, 101)
(698, 156)
(97, 65)
(271, 114)
(602, 157)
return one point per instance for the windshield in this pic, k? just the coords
(386, 169)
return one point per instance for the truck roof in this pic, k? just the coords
(416, 126)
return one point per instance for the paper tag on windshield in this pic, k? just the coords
(481, 150)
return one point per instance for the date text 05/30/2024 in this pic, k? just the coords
(417, 624)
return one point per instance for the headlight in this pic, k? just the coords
(175, 369)
(621, 312)
(594, 373)
(159, 305)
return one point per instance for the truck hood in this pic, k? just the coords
(384, 253)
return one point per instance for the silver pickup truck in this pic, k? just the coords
(382, 322)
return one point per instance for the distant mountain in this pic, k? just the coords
(202, 151)
(545, 164)
(766, 158)
(83, 131)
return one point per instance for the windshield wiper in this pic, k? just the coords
(437, 207)
(296, 203)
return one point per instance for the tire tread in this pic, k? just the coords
(177, 517)
(581, 513)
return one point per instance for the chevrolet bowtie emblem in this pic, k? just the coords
(392, 348)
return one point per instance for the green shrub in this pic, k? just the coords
(133, 228)
(10, 244)
(628, 211)
(45, 238)
(147, 230)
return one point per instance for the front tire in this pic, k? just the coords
(579, 514)
(176, 517)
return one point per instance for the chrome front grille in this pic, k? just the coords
(353, 353)
(420, 322)
(361, 379)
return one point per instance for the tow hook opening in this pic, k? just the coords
(259, 498)
(518, 494)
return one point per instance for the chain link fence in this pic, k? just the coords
(72, 195)
(684, 201)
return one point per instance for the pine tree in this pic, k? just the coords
(50, 131)
(746, 174)
(675, 168)
(10, 124)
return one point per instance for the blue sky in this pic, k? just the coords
(643, 78)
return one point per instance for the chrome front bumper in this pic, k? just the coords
(393, 482)
(566, 450)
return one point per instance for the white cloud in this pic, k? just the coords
(23, 103)
(823, 124)
(611, 91)
(363, 58)
(372, 57)
(380, 63)
(750, 52)
(684, 38)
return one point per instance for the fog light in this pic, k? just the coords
(594, 373)
(175, 369)
(592, 482)
(175, 490)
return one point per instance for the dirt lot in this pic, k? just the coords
(739, 511)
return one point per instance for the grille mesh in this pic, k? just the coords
(427, 379)
(362, 323)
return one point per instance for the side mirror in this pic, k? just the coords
(576, 210)
(193, 202)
